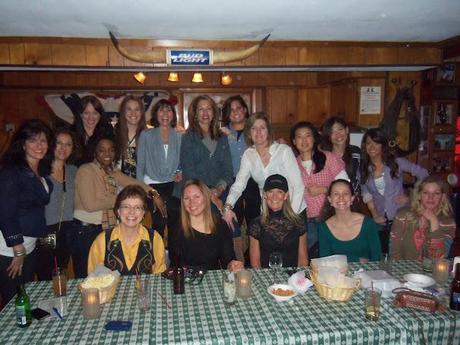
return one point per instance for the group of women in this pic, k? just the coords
(202, 184)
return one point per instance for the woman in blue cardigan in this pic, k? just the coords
(25, 192)
(205, 153)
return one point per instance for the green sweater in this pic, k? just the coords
(365, 245)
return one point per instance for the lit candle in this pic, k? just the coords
(90, 303)
(243, 284)
(441, 271)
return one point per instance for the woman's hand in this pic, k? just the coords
(316, 190)
(402, 199)
(177, 176)
(430, 216)
(235, 266)
(229, 216)
(161, 206)
(15, 268)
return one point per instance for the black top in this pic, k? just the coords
(208, 251)
(279, 235)
(88, 149)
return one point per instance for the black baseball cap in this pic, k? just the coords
(276, 181)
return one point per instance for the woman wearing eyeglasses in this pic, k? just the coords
(129, 247)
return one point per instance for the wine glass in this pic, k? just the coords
(275, 261)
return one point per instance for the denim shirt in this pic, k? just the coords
(385, 204)
(237, 148)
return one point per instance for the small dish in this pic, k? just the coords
(419, 280)
(283, 287)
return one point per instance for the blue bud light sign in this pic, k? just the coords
(189, 57)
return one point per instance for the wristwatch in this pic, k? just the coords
(154, 193)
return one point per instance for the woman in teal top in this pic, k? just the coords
(346, 232)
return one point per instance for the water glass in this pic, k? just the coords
(143, 294)
(275, 261)
(229, 288)
(385, 263)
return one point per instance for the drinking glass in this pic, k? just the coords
(275, 261)
(372, 298)
(229, 288)
(143, 294)
(385, 263)
(59, 282)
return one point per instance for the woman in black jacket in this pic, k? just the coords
(25, 192)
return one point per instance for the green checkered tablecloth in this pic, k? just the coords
(200, 317)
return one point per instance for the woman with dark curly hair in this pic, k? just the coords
(26, 189)
(382, 180)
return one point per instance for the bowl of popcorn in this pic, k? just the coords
(282, 292)
(105, 282)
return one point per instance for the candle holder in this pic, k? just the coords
(243, 284)
(441, 270)
(90, 303)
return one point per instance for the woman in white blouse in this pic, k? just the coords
(263, 158)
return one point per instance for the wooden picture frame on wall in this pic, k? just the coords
(446, 73)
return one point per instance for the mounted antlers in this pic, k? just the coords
(158, 57)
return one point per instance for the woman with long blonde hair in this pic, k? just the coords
(427, 222)
(200, 239)
(278, 229)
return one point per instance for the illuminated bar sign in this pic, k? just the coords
(189, 57)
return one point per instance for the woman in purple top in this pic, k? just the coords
(382, 180)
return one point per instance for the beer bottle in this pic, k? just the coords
(23, 312)
(455, 290)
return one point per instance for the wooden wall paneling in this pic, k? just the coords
(4, 53)
(68, 54)
(381, 56)
(309, 56)
(37, 54)
(97, 55)
(282, 104)
(313, 104)
(344, 101)
(273, 56)
(17, 53)
(292, 56)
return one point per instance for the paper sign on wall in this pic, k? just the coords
(369, 100)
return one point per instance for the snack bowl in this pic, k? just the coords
(419, 280)
(282, 292)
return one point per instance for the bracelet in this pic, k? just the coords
(228, 207)
(154, 193)
(19, 254)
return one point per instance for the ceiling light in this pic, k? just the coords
(140, 77)
(226, 79)
(173, 76)
(197, 78)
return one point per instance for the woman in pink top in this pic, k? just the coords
(318, 169)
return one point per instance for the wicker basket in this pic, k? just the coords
(106, 293)
(333, 293)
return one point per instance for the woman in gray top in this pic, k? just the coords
(158, 154)
(59, 211)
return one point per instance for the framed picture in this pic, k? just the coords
(444, 113)
(443, 141)
(425, 112)
(442, 162)
(446, 73)
(218, 97)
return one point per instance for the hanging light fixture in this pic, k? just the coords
(173, 77)
(140, 77)
(226, 79)
(197, 78)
